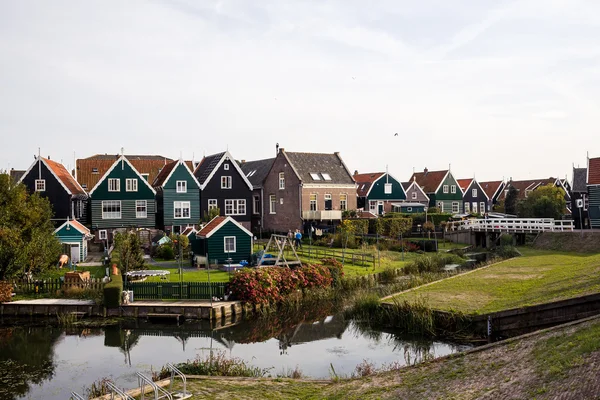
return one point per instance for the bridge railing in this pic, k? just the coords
(512, 225)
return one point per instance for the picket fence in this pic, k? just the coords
(176, 290)
(42, 286)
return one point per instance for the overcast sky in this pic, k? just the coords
(494, 88)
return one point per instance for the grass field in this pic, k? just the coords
(191, 276)
(539, 276)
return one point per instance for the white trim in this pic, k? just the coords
(100, 234)
(226, 156)
(210, 206)
(107, 173)
(42, 183)
(234, 203)
(145, 206)
(418, 187)
(76, 228)
(228, 182)
(442, 181)
(281, 180)
(102, 209)
(272, 204)
(225, 244)
(53, 174)
(225, 167)
(457, 203)
(480, 189)
(179, 162)
(118, 186)
(227, 219)
(446, 189)
(390, 176)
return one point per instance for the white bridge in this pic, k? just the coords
(511, 225)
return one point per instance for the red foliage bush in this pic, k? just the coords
(5, 291)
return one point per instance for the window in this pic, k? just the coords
(272, 203)
(445, 188)
(256, 205)
(343, 202)
(313, 202)
(114, 185)
(281, 200)
(235, 207)
(181, 209)
(440, 205)
(141, 209)
(414, 195)
(387, 189)
(225, 182)
(229, 244)
(474, 207)
(328, 202)
(474, 192)
(145, 176)
(226, 166)
(281, 181)
(408, 209)
(467, 208)
(83, 186)
(212, 203)
(325, 176)
(453, 189)
(131, 185)
(111, 209)
(315, 176)
(181, 187)
(455, 207)
(40, 185)
(102, 234)
(373, 206)
(95, 171)
(482, 207)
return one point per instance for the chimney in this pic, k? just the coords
(425, 170)
(281, 149)
(276, 149)
(355, 172)
(243, 161)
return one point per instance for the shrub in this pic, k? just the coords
(506, 240)
(112, 291)
(6, 290)
(361, 226)
(394, 227)
(218, 364)
(431, 263)
(428, 226)
(165, 251)
(81, 293)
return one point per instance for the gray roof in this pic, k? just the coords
(256, 171)
(318, 163)
(579, 180)
(406, 185)
(129, 157)
(206, 166)
(16, 174)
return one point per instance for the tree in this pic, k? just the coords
(510, 202)
(544, 202)
(27, 241)
(213, 212)
(129, 247)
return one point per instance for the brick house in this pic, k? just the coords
(306, 188)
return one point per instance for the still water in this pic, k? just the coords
(48, 362)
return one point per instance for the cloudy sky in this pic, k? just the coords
(494, 88)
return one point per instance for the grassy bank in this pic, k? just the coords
(539, 276)
(559, 363)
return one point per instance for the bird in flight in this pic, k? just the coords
(353, 78)
(396, 134)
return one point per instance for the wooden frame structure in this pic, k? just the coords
(281, 241)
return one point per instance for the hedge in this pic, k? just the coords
(419, 218)
(391, 227)
(361, 226)
(113, 290)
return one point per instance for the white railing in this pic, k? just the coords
(322, 215)
(512, 225)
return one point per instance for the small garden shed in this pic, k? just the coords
(74, 236)
(223, 238)
(408, 208)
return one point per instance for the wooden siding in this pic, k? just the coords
(215, 245)
(55, 192)
(122, 173)
(378, 190)
(170, 196)
(594, 206)
(448, 198)
(127, 219)
(480, 198)
(72, 235)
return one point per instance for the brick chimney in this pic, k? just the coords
(355, 172)
(425, 170)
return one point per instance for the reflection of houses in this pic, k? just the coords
(327, 328)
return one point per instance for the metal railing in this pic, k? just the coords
(512, 225)
(75, 396)
(159, 393)
(177, 373)
(115, 390)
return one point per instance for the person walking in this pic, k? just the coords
(298, 237)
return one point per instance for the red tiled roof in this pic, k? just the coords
(523, 187)
(187, 231)
(67, 179)
(79, 227)
(594, 171)
(164, 173)
(429, 181)
(490, 187)
(464, 183)
(365, 215)
(364, 181)
(216, 221)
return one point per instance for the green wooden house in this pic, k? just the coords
(442, 188)
(377, 191)
(408, 207)
(122, 198)
(74, 237)
(224, 238)
(177, 197)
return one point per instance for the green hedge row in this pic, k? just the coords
(113, 290)
(391, 227)
(419, 218)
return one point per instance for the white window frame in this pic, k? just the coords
(182, 206)
(131, 185)
(387, 188)
(281, 181)
(272, 204)
(145, 176)
(102, 234)
(315, 176)
(281, 200)
(467, 207)
(408, 209)
(226, 166)
(235, 206)
(40, 185)
(225, 182)
(453, 189)
(482, 208)
(457, 204)
(111, 214)
(141, 204)
(373, 206)
(212, 203)
(95, 171)
(225, 250)
(256, 204)
(445, 188)
(343, 201)
(181, 186)
(326, 176)
(474, 192)
(440, 205)
(114, 185)
(414, 195)
(475, 208)
(313, 199)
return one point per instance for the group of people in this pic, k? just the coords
(296, 237)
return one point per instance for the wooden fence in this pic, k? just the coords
(176, 290)
(42, 286)
(362, 259)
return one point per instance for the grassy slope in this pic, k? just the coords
(538, 277)
(551, 364)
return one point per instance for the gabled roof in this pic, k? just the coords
(408, 186)
(257, 171)
(464, 183)
(475, 183)
(61, 174)
(114, 164)
(332, 165)
(76, 225)
(365, 181)
(90, 170)
(17, 174)
(490, 188)
(210, 164)
(579, 180)
(165, 174)
(429, 181)
(216, 223)
(189, 230)
(593, 177)
(526, 186)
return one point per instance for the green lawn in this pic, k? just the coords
(539, 276)
(192, 276)
(53, 273)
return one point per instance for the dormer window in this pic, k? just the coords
(315, 176)
(325, 176)
(387, 188)
(95, 171)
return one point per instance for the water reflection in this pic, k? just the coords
(48, 362)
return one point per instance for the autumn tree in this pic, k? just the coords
(544, 202)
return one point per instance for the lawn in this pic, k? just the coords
(191, 276)
(539, 276)
(54, 273)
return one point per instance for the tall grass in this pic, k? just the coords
(432, 263)
(219, 364)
